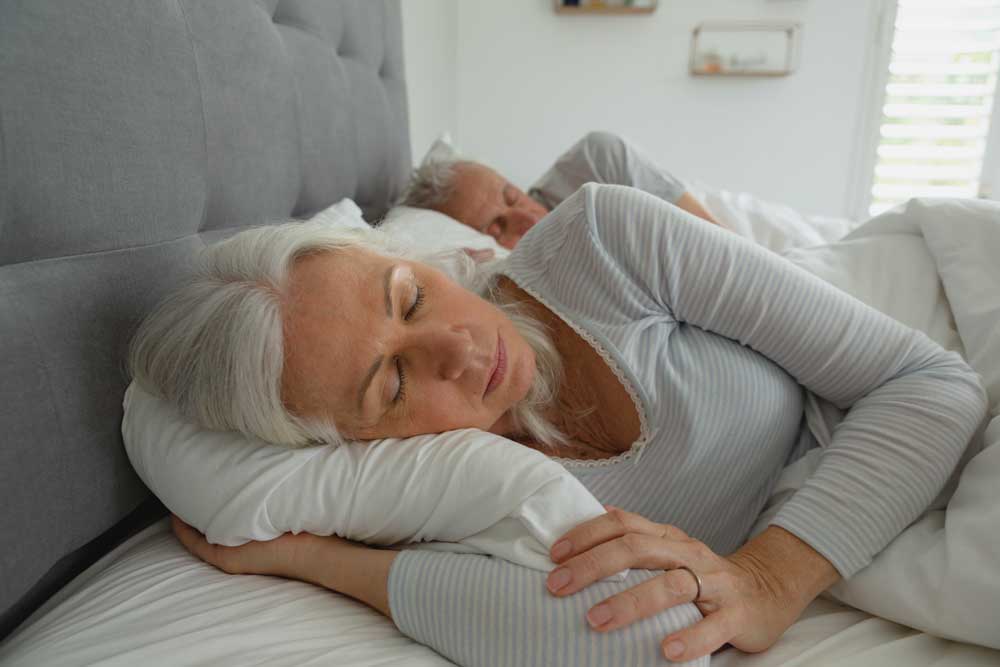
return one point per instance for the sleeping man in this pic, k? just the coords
(479, 197)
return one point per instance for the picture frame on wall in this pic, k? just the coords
(605, 6)
(745, 48)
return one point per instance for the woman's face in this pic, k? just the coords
(391, 348)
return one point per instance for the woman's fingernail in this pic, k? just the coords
(561, 550)
(559, 579)
(674, 649)
(599, 615)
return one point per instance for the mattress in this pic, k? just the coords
(149, 602)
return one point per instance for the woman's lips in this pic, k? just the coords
(499, 367)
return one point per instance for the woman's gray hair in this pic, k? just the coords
(431, 184)
(215, 348)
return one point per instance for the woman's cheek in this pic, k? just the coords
(446, 413)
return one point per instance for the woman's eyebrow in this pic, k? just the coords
(387, 282)
(387, 286)
(367, 382)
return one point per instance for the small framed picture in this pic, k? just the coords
(745, 48)
(605, 6)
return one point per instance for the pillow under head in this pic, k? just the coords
(465, 490)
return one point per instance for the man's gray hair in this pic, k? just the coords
(431, 184)
(215, 348)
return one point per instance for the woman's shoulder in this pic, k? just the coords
(567, 229)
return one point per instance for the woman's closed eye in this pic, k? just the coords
(417, 302)
(400, 395)
(401, 391)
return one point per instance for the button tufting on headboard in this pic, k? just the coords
(126, 134)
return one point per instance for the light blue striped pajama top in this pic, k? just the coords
(718, 341)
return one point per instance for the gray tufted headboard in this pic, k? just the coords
(132, 132)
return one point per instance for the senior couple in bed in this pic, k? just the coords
(624, 323)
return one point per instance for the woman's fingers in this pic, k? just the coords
(196, 543)
(736, 596)
(615, 523)
(703, 638)
(652, 596)
(630, 550)
(188, 536)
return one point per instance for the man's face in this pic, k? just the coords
(487, 202)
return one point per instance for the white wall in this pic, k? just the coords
(528, 82)
(429, 58)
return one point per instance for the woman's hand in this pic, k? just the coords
(290, 556)
(748, 599)
(331, 562)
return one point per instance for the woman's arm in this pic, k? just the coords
(913, 407)
(478, 610)
(475, 610)
(332, 562)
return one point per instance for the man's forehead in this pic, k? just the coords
(476, 195)
(481, 173)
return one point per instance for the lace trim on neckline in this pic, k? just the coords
(637, 447)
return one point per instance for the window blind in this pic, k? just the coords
(938, 100)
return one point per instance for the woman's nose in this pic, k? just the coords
(451, 349)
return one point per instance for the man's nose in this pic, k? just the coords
(520, 221)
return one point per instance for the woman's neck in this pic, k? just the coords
(591, 407)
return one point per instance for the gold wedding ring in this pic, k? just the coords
(697, 580)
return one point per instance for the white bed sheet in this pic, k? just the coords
(149, 602)
(775, 226)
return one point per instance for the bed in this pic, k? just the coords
(132, 134)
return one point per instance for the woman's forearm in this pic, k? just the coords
(354, 570)
(476, 610)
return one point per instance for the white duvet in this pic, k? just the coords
(935, 265)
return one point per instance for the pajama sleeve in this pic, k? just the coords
(602, 157)
(912, 406)
(480, 611)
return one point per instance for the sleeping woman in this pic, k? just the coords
(665, 362)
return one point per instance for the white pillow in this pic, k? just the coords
(420, 229)
(442, 149)
(428, 231)
(344, 212)
(481, 491)
(477, 489)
